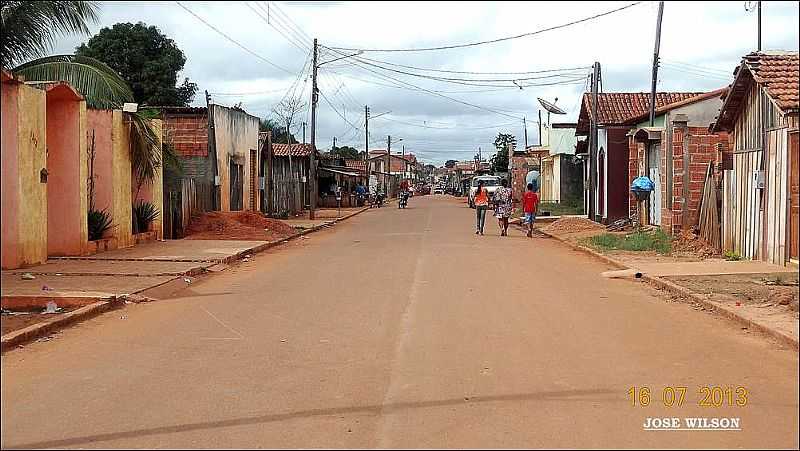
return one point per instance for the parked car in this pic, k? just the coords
(490, 182)
(439, 189)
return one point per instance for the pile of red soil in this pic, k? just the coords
(687, 243)
(237, 225)
(572, 224)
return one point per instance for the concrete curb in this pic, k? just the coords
(663, 284)
(13, 339)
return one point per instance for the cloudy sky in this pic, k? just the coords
(440, 119)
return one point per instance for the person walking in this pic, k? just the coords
(530, 202)
(481, 205)
(503, 206)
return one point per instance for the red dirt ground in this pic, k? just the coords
(237, 225)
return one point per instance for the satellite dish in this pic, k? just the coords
(550, 107)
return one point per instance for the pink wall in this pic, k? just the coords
(99, 121)
(9, 170)
(64, 209)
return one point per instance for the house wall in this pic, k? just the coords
(746, 229)
(235, 135)
(9, 169)
(67, 203)
(122, 199)
(153, 192)
(562, 141)
(28, 245)
(98, 123)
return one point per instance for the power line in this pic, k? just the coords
(464, 91)
(480, 82)
(446, 128)
(473, 72)
(702, 68)
(234, 41)
(292, 24)
(302, 48)
(337, 111)
(472, 44)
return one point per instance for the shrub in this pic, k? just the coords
(143, 215)
(732, 256)
(99, 221)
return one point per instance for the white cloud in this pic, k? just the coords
(713, 35)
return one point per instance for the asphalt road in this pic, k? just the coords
(398, 329)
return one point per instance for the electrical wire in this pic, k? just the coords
(444, 96)
(492, 41)
(234, 41)
(580, 68)
(288, 39)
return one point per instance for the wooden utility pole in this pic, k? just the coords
(525, 127)
(655, 65)
(304, 132)
(334, 143)
(212, 145)
(312, 163)
(593, 144)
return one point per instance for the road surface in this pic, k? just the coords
(398, 328)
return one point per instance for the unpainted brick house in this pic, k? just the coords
(675, 154)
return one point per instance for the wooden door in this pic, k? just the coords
(253, 178)
(794, 196)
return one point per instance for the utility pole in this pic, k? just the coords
(540, 128)
(759, 26)
(366, 144)
(388, 164)
(269, 178)
(655, 65)
(304, 132)
(405, 164)
(593, 144)
(215, 201)
(334, 143)
(312, 166)
(525, 126)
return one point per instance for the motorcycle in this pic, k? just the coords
(377, 202)
(403, 199)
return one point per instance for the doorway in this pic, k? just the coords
(237, 185)
(653, 171)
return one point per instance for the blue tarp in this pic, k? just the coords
(642, 184)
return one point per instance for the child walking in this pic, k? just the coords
(530, 202)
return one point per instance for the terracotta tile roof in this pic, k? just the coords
(688, 101)
(622, 108)
(779, 73)
(297, 150)
(361, 165)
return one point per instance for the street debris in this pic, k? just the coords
(187, 280)
(46, 288)
(28, 276)
(51, 307)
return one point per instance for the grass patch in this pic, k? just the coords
(732, 256)
(640, 241)
(568, 207)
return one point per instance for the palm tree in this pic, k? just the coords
(29, 30)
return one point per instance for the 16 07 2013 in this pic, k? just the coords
(675, 396)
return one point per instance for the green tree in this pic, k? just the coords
(146, 59)
(278, 132)
(502, 142)
(346, 152)
(450, 164)
(29, 30)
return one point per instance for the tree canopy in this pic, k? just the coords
(502, 142)
(346, 152)
(146, 59)
(450, 164)
(278, 132)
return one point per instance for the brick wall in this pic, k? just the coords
(189, 134)
(702, 148)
